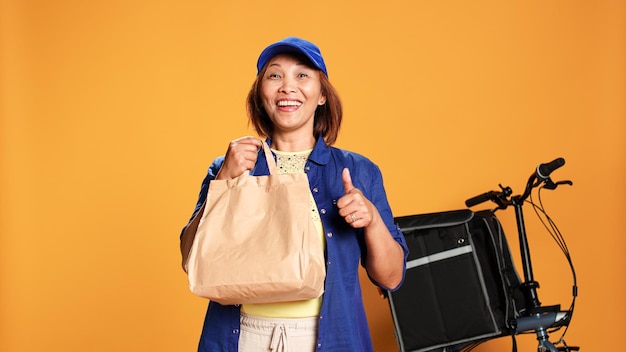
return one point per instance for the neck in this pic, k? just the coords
(293, 143)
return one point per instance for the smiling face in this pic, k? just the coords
(291, 92)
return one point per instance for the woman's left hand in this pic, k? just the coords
(355, 208)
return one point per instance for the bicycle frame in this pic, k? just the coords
(540, 318)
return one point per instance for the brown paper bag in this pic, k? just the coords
(256, 242)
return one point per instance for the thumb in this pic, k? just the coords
(347, 180)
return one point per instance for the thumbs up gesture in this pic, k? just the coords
(357, 210)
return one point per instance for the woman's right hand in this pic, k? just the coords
(240, 157)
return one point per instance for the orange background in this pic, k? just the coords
(111, 112)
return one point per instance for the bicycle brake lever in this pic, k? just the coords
(549, 184)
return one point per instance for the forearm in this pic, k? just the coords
(385, 256)
(188, 235)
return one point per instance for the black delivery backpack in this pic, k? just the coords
(461, 286)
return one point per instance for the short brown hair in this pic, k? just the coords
(327, 117)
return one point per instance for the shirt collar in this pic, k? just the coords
(320, 154)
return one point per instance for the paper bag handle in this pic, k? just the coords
(271, 163)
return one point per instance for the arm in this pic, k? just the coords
(240, 157)
(188, 235)
(385, 256)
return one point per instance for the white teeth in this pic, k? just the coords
(289, 103)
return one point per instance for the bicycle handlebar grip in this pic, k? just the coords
(544, 170)
(491, 195)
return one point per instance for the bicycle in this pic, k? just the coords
(541, 320)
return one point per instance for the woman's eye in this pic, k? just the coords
(303, 75)
(273, 75)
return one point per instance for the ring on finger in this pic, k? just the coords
(352, 217)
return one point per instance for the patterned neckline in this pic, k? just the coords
(291, 162)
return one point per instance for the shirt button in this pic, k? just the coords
(315, 190)
(328, 263)
(319, 345)
(323, 211)
(330, 234)
(235, 331)
(307, 168)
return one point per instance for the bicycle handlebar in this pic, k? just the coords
(544, 170)
(481, 198)
(542, 173)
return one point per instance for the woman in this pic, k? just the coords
(294, 106)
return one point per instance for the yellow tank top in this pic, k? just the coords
(291, 163)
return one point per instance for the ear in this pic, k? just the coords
(322, 100)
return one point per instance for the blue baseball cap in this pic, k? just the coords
(293, 45)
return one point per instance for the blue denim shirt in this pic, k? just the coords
(342, 321)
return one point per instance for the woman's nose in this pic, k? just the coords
(288, 86)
